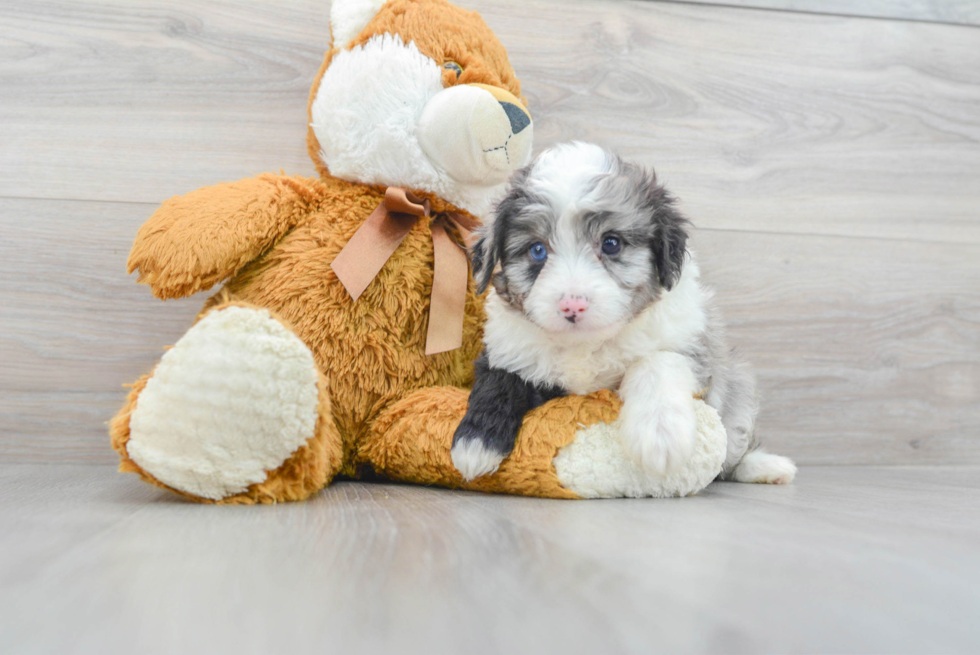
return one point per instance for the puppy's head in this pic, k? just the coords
(582, 241)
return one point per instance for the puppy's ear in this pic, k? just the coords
(484, 257)
(488, 251)
(668, 233)
(669, 244)
(666, 228)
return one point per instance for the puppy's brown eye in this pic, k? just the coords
(453, 66)
(611, 245)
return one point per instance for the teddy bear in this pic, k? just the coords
(342, 341)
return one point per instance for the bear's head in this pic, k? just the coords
(418, 94)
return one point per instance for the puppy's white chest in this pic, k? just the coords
(586, 369)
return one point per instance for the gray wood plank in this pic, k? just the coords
(867, 350)
(848, 560)
(960, 12)
(137, 101)
(74, 328)
(751, 118)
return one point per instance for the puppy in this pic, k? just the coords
(594, 288)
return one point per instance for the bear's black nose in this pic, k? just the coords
(518, 119)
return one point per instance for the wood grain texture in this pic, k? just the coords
(74, 327)
(960, 12)
(866, 351)
(758, 125)
(138, 101)
(849, 560)
(837, 191)
(754, 121)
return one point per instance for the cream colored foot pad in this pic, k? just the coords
(233, 399)
(596, 465)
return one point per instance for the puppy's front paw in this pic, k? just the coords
(473, 455)
(662, 440)
(473, 459)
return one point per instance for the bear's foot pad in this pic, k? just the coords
(596, 465)
(233, 399)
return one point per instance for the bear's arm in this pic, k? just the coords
(194, 241)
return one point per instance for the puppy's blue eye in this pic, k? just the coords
(612, 245)
(538, 252)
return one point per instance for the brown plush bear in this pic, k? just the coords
(309, 363)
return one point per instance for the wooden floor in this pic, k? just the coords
(849, 560)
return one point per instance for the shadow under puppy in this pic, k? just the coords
(594, 288)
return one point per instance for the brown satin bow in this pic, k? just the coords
(359, 262)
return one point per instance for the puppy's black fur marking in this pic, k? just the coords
(497, 406)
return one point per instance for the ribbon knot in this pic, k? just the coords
(360, 261)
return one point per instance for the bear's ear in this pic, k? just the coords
(349, 17)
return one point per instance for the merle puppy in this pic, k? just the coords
(594, 288)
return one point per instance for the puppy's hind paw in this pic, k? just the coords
(761, 467)
(472, 458)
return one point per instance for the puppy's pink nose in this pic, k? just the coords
(573, 306)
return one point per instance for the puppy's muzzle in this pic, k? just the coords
(477, 133)
(573, 307)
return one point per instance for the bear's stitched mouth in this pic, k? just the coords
(503, 147)
(519, 120)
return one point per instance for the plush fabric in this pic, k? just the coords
(442, 32)
(595, 465)
(235, 378)
(305, 472)
(283, 323)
